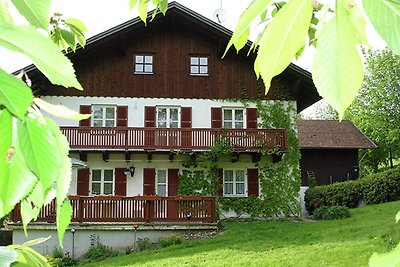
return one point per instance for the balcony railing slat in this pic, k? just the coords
(131, 209)
(173, 138)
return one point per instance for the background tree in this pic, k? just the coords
(34, 163)
(376, 109)
(321, 111)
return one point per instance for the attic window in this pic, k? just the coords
(199, 65)
(143, 64)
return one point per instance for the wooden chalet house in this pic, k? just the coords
(156, 91)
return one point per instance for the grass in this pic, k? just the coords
(347, 242)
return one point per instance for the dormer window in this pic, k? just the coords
(199, 65)
(143, 64)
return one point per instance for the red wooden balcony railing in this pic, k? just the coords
(173, 138)
(131, 209)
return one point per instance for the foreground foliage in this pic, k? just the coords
(347, 242)
(373, 189)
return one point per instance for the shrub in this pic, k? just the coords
(170, 240)
(61, 262)
(331, 213)
(373, 189)
(100, 251)
(143, 243)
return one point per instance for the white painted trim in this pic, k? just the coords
(101, 181)
(234, 182)
(166, 181)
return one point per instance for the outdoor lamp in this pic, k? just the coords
(130, 170)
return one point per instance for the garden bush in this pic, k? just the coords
(100, 251)
(331, 213)
(170, 240)
(373, 189)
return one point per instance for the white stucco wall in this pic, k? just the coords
(201, 108)
(119, 237)
(140, 162)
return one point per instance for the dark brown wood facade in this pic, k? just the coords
(107, 68)
(329, 165)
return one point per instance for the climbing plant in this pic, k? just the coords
(279, 181)
(207, 181)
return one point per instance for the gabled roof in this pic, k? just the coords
(321, 134)
(305, 91)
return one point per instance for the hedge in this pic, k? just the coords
(373, 189)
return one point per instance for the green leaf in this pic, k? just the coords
(7, 256)
(29, 257)
(358, 21)
(36, 241)
(39, 149)
(64, 173)
(69, 38)
(15, 95)
(389, 259)
(242, 29)
(132, 4)
(385, 16)
(43, 52)
(77, 24)
(78, 35)
(4, 13)
(36, 12)
(398, 217)
(16, 179)
(60, 110)
(64, 209)
(282, 39)
(163, 6)
(5, 151)
(337, 70)
(64, 215)
(142, 8)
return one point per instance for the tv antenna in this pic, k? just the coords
(220, 14)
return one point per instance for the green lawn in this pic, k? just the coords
(348, 242)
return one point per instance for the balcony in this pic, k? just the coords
(173, 138)
(131, 209)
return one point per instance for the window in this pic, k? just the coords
(233, 118)
(103, 116)
(102, 182)
(161, 183)
(143, 64)
(198, 65)
(234, 183)
(167, 117)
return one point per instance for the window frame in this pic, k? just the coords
(157, 183)
(103, 119)
(233, 121)
(235, 182)
(143, 64)
(168, 121)
(102, 182)
(199, 65)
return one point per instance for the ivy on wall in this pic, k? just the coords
(208, 182)
(279, 182)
